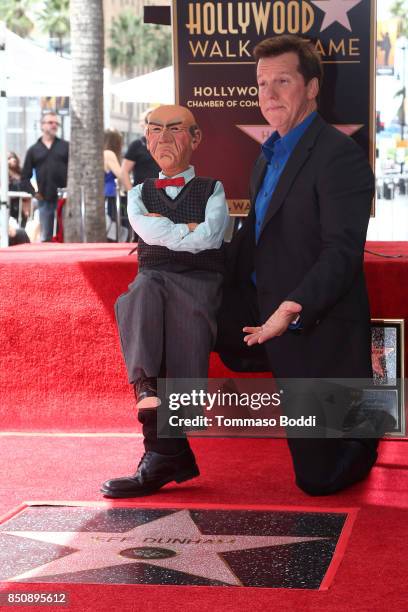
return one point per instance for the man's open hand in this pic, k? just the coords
(276, 325)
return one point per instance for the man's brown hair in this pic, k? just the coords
(310, 65)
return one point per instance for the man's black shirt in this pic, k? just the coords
(50, 165)
(145, 166)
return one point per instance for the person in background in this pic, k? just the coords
(137, 159)
(15, 184)
(16, 234)
(112, 153)
(49, 158)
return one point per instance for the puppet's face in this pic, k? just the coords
(172, 135)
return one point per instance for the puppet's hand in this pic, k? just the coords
(192, 226)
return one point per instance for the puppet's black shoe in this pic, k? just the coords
(153, 472)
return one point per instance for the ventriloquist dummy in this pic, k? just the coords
(167, 318)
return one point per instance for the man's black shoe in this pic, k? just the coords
(153, 472)
(146, 393)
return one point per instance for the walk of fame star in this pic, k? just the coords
(173, 542)
(335, 10)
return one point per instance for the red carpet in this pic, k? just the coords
(61, 370)
(61, 366)
(370, 578)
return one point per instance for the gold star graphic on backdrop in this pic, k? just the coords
(335, 10)
(260, 133)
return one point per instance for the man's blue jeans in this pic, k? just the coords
(47, 215)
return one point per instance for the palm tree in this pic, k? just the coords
(136, 46)
(399, 9)
(14, 14)
(85, 172)
(54, 20)
(160, 47)
(128, 50)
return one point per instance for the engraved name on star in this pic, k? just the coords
(175, 535)
(335, 10)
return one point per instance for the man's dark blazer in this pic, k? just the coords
(310, 250)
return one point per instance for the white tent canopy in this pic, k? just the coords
(27, 70)
(33, 71)
(154, 88)
(30, 71)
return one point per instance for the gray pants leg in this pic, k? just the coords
(190, 322)
(180, 307)
(140, 319)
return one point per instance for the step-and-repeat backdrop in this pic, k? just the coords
(216, 75)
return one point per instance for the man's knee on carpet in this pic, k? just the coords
(319, 476)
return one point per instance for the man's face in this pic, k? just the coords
(50, 125)
(284, 98)
(169, 138)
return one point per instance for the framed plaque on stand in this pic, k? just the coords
(387, 354)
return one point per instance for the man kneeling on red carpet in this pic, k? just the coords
(167, 318)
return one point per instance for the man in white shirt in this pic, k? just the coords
(167, 319)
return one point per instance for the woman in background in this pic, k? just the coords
(111, 156)
(14, 174)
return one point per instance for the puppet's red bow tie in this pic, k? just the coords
(170, 182)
